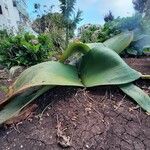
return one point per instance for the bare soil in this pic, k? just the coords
(100, 118)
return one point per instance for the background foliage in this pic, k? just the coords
(64, 22)
(56, 29)
(25, 50)
(137, 23)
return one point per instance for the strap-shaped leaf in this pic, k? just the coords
(102, 66)
(93, 45)
(18, 102)
(120, 42)
(47, 73)
(35, 81)
(137, 94)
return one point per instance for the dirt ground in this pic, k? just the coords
(100, 118)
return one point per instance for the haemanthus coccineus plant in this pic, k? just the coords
(99, 65)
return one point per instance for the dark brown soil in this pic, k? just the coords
(100, 118)
(141, 64)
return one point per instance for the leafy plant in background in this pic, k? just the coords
(142, 6)
(145, 26)
(139, 44)
(137, 24)
(52, 23)
(94, 33)
(139, 5)
(88, 33)
(111, 28)
(24, 50)
(67, 8)
(99, 65)
(53, 28)
(109, 17)
(3, 34)
(140, 26)
(129, 23)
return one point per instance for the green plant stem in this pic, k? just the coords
(72, 48)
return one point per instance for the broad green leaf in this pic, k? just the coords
(18, 102)
(35, 81)
(137, 94)
(102, 66)
(137, 35)
(120, 42)
(92, 45)
(47, 73)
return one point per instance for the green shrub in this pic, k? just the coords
(58, 39)
(140, 26)
(87, 33)
(3, 34)
(94, 34)
(25, 50)
(145, 25)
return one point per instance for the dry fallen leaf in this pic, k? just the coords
(24, 114)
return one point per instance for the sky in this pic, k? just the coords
(93, 10)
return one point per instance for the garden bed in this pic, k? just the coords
(96, 118)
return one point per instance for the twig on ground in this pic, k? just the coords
(134, 108)
(120, 103)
